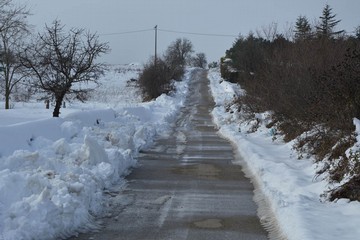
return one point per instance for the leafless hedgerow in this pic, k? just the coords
(310, 83)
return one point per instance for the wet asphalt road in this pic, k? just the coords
(186, 186)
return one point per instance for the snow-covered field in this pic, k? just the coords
(288, 184)
(54, 171)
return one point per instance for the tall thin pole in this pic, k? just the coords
(155, 44)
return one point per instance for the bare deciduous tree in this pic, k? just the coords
(155, 78)
(13, 31)
(59, 60)
(268, 32)
(180, 50)
(199, 60)
(177, 55)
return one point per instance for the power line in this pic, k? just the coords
(200, 34)
(127, 32)
(170, 31)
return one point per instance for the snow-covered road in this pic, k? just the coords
(186, 186)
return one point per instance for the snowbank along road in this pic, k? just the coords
(186, 186)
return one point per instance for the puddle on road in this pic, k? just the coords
(209, 171)
(201, 170)
(209, 223)
(245, 223)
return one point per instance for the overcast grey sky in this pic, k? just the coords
(224, 17)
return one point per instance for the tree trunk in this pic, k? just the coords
(7, 99)
(58, 102)
(7, 87)
(7, 103)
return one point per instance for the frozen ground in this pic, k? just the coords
(288, 184)
(54, 171)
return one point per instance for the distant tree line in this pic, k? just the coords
(310, 80)
(157, 75)
(54, 61)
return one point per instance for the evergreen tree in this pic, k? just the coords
(302, 28)
(328, 24)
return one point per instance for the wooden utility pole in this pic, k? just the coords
(156, 27)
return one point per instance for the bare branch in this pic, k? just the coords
(60, 59)
(13, 30)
